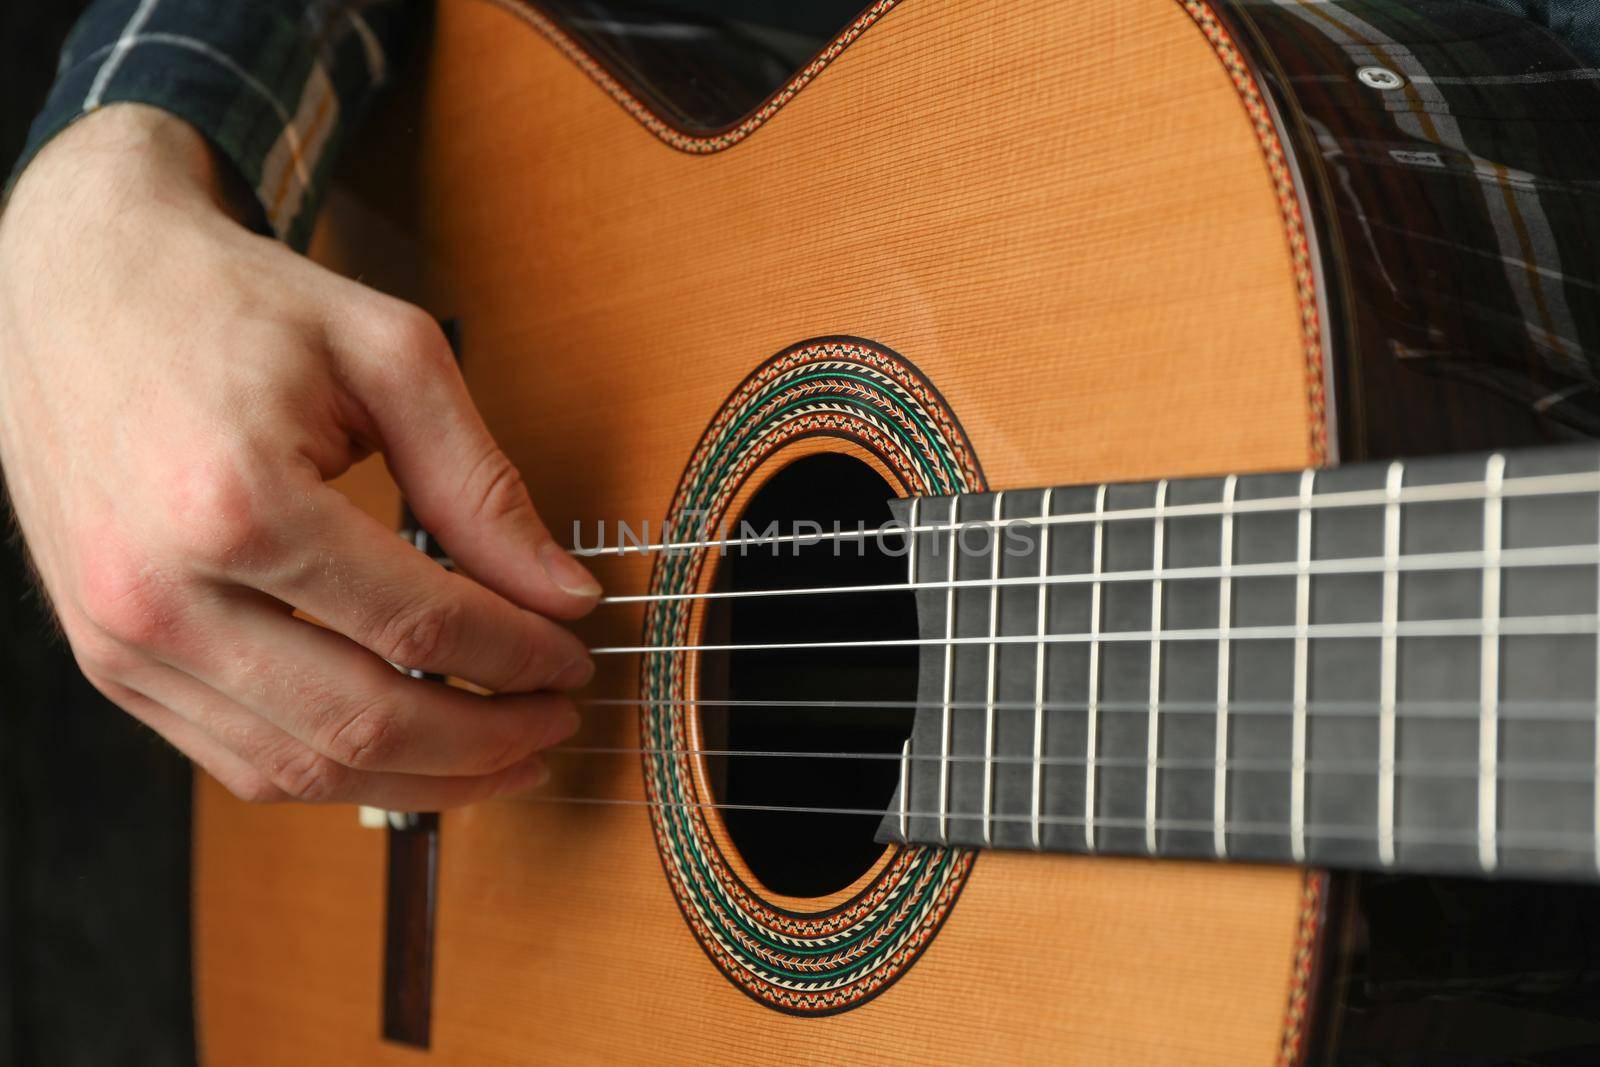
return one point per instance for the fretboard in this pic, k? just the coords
(1376, 666)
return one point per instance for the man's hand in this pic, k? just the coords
(174, 393)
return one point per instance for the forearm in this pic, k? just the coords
(132, 153)
(274, 85)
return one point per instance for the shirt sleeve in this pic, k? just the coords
(276, 85)
(1576, 22)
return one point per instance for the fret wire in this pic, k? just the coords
(1302, 623)
(1389, 638)
(1555, 556)
(1538, 771)
(911, 546)
(988, 723)
(1516, 625)
(1153, 745)
(1092, 716)
(1039, 664)
(1530, 485)
(949, 665)
(1219, 800)
(1489, 664)
(905, 763)
(1532, 840)
(905, 790)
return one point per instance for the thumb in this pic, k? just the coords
(458, 482)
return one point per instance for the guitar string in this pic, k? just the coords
(1466, 710)
(1524, 771)
(1514, 626)
(1549, 556)
(1522, 486)
(1552, 840)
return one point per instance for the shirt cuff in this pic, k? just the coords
(273, 85)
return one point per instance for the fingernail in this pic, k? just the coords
(574, 675)
(573, 577)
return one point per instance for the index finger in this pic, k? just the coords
(349, 705)
(362, 581)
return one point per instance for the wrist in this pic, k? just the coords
(130, 155)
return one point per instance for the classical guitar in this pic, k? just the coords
(1101, 546)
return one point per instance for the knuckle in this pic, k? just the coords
(218, 515)
(308, 776)
(303, 773)
(417, 337)
(254, 788)
(494, 489)
(101, 659)
(536, 660)
(243, 734)
(418, 635)
(365, 739)
(504, 749)
(127, 600)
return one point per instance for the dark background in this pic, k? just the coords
(94, 808)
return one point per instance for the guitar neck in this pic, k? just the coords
(1387, 666)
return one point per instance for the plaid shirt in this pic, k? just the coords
(276, 85)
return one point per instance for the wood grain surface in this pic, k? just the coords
(1061, 213)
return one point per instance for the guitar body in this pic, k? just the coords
(1080, 225)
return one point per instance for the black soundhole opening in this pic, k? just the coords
(844, 756)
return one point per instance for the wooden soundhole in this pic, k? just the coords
(801, 909)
